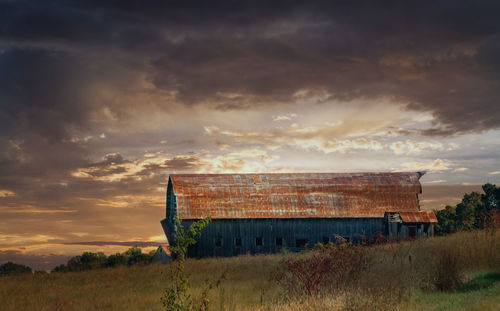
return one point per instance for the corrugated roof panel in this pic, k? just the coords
(422, 216)
(301, 195)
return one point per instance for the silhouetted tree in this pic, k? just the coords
(61, 268)
(87, 261)
(10, 268)
(135, 256)
(115, 260)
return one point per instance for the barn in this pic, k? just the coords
(264, 213)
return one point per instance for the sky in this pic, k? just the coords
(101, 100)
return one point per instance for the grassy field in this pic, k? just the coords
(399, 277)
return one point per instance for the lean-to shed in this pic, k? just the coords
(266, 212)
(162, 254)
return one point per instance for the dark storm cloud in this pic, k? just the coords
(437, 57)
(56, 56)
(40, 92)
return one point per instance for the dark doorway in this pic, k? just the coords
(237, 241)
(279, 241)
(302, 243)
(412, 231)
(258, 241)
(326, 240)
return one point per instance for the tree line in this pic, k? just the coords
(475, 211)
(89, 260)
(10, 268)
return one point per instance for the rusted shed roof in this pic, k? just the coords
(299, 195)
(162, 254)
(422, 216)
(166, 249)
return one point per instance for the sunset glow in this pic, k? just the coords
(99, 103)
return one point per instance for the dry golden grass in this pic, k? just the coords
(393, 282)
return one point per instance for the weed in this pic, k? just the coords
(447, 269)
(176, 296)
(329, 266)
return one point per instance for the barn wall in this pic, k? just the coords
(402, 230)
(314, 230)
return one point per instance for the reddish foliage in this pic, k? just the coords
(326, 268)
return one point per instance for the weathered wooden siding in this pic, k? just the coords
(310, 206)
(314, 230)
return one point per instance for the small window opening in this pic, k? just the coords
(302, 243)
(258, 241)
(237, 241)
(279, 241)
(218, 241)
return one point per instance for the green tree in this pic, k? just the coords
(490, 205)
(476, 211)
(466, 210)
(447, 220)
(491, 196)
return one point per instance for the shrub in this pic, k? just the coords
(447, 269)
(331, 266)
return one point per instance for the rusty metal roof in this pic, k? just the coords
(166, 249)
(298, 195)
(422, 216)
